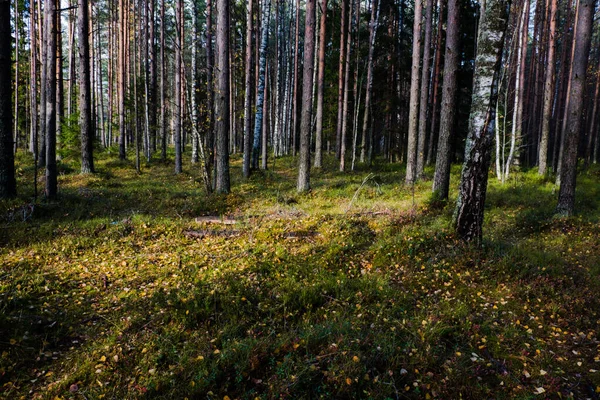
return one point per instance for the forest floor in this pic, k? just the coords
(116, 291)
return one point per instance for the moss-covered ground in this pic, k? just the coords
(115, 291)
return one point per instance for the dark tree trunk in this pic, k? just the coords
(85, 116)
(248, 134)
(341, 80)
(177, 123)
(222, 112)
(8, 185)
(474, 178)
(581, 51)
(321, 85)
(307, 90)
(441, 180)
(50, 88)
(415, 84)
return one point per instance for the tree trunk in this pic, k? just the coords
(85, 117)
(122, 76)
(413, 119)
(260, 98)
(222, 122)
(33, 76)
(441, 179)
(367, 132)
(8, 184)
(341, 78)
(178, 65)
(249, 89)
(433, 137)
(346, 85)
(519, 104)
(592, 133)
(548, 91)
(210, 92)
(307, 88)
(50, 89)
(163, 84)
(321, 85)
(425, 80)
(581, 51)
(474, 178)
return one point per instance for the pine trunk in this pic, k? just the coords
(307, 89)
(8, 185)
(222, 111)
(415, 84)
(441, 180)
(321, 85)
(581, 51)
(85, 117)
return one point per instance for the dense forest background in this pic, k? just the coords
(286, 199)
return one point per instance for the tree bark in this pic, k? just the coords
(8, 184)
(474, 178)
(425, 80)
(441, 179)
(413, 119)
(249, 89)
(177, 105)
(435, 100)
(548, 91)
(260, 98)
(367, 131)
(346, 97)
(85, 117)
(307, 88)
(341, 78)
(581, 51)
(321, 85)
(222, 112)
(519, 104)
(50, 89)
(122, 77)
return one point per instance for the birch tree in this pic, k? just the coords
(474, 177)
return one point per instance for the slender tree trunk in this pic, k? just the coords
(517, 119)
(260, 98)
(178, 64)
(222, 122)
(122, 76)
(43, 42)
(16, 94)
(8, 184)
(441, 180)
(367, 132)
(592, 133)
(474, 178)
(163, 84)
(433, 137)
(60, 110)
(413, 119)
(341, 78)
(548, 91)
(210, 93)
(581, 51)
(33, 76)
(307, 99)
(50, 88)
(321, 85)
(85, 118)
(346, 98)
(425, 81)
(249, 89)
